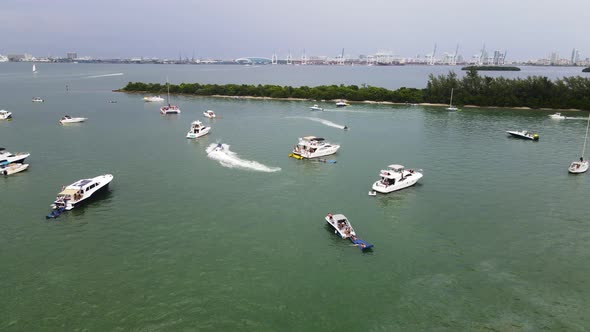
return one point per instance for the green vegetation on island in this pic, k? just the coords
(473, 89)
(586, 70)
(492, 68)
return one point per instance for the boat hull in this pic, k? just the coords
(203, 132)
(578, 167)
(408, 181)
(13, 169)
(72, 120)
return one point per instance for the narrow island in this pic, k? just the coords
(472, 90)
(492, 68)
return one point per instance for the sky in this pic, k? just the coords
(229, 29)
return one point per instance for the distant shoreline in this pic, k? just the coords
(369, 102)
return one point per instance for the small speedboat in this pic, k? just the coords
(197, 130)
(37, 100)
(316, 108)
(396, 178)
(577, 167)
(218, 148)
(343, 228)
(5, 115)
(342, 104)
(210, 114)
(68, 119)
(557, 116)
(153, 98)
(9, 157)
(9, 169)
(78, 192)
(523, 134)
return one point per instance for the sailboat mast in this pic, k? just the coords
(586, 137)
(168, 86)
(451, 103)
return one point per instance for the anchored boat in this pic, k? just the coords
(9, 157)
(9, 169)
(68, 119)
(197, 130)
(5, 115)
(313, 147)
(396, 178)
(79, 192)
(210, 114)
(343, 228)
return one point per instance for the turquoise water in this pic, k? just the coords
(494, 237)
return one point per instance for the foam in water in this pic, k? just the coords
(322, 121)
(105, 75)
(227, 158)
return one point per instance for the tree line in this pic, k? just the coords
(472, 89)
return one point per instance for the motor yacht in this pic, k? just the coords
(153, 99)
(68, 119)
(557, 116)
(197, 130)
(5, 115)
(343, 228)
(9, 169)
(210, 114)
(313, 147)
(316, 108)
(37, 100)
(523, 134)
(396, 177)
(79, 191)
(9, 157)
(342, 104)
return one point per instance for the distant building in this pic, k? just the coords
(72, 55)
(575, 57)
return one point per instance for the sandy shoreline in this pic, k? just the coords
(363, 102)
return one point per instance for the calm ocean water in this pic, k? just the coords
(495, 236)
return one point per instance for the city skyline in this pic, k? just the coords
(527, 29)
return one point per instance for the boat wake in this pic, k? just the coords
(105, 75)
(575, 118)
(230, 159)
(322, 121)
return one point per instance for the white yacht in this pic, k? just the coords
(197, 130)
(9, 157)
(396, 178)
(79, 191)
(313, 147)
(581, 166)
(9, 169)
(523, 134)
(5, 115)
(451, 108)
(37, 100)
(557, 116)
(169, 109)
(153, 98)
(210, 114)
(342, 104)
(68, 119)
(316, 108)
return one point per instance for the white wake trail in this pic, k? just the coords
(322, 121)
(105, 75)
(230, 159)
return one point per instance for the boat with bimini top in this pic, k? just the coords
(78, 192)
(313, 147)
(343, 228)
(396, 178)
(197, 130)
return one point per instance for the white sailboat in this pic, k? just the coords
(581, 166)
(451, 107)
(169, 109)
(34, 68)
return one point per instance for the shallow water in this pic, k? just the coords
(495, 236)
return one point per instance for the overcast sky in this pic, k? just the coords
(230, 28)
